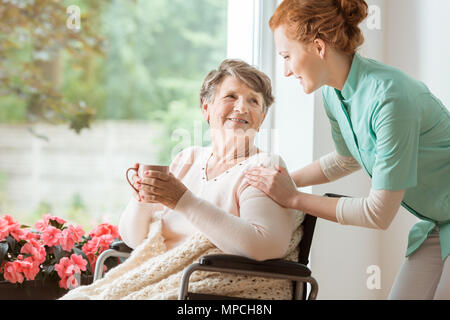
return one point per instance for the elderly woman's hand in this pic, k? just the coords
(161, 187)
(277, 184)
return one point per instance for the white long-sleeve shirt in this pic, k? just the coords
(376, 211)
(236, 217)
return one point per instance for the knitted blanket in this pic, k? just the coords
(153, 272)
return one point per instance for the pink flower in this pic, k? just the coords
(57, 219)
(4, 227)
(79, 261)
(36, 250)
(102, 237)
(41, 225)
(30, 235)
(71, 282)
(70, 236)
(17, 233)
(12, 272)
(94, 247)
(104, 242)
(105, 229)
(50, 236)
(90, 249)
(66, 268)
(91, 246)
(29, 267)
(9, 227)
(6, 223)
(68, 283)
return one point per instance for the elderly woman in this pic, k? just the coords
(205, 198)
(206, 190)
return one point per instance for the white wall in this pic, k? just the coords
(418, 42)
(240, 30)
(414, 37)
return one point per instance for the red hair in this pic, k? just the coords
(334, 21)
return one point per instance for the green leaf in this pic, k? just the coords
(59, 253)
(80, 121)
(55, 224)
(3, 251)
(47, 269)
(11, 243)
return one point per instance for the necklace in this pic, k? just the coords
(227, 170)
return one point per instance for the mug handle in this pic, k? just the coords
(126, 174)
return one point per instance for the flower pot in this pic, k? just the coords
(47, 289)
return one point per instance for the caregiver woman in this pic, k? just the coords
(381, 120)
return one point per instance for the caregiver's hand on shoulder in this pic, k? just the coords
(157, 186)
(276, 183)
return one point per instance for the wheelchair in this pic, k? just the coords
(297, 272)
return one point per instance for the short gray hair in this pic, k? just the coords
(251, 76)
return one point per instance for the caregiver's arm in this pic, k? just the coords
(328, 168)
(334, 166)
(263, 230)
(376, 211)
(309, 175)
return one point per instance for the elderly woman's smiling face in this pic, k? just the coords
(236, 107)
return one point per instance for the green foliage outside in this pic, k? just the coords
(130, 59)
(33, 35)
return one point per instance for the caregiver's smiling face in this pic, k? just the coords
(235, 107)
(303, 61)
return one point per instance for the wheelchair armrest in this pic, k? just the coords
(229, 261)
(120, 246)
(334, 195)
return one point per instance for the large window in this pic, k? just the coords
(80, 105)
(88, 88)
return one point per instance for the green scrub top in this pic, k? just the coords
(399, 132)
